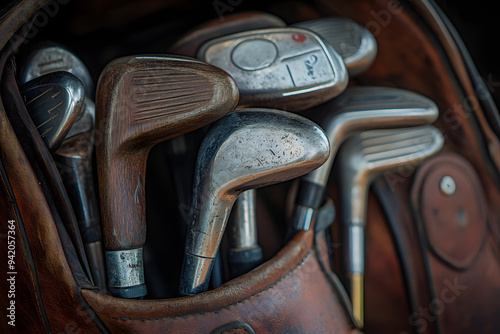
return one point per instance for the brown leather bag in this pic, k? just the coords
(426, 272)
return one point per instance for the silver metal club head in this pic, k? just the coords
(47, 58)
(54, 102)
(50, 57)
(355, 44)
(357, 109)
(141, 101)
(246, 149)
(362, 158)
(286, 68)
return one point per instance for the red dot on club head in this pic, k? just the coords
(299, 38)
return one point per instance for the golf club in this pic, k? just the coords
(189, 44)
(54, 102)
(247, 149)
(357, 109)
(286, 68)
(244, 251)
(355, 44)
(73, 157)
(182, 160)
(50, 57)
(141, 101)
(362, 158)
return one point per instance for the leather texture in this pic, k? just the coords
(289, 293)
(425, 273)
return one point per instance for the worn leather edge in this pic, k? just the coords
(10, 23)
(29, 185)
(17, 17)
(430, 13)
(5, 129)
(323, 260)
(234, 291)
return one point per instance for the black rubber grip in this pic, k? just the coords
(241, 261)
(310, 194)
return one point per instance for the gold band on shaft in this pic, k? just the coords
(357, 297)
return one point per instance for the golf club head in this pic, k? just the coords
(248, 148)
(286, 68)
(355, 44)
(54, 102)
(189, 44)
(50, 57)
(362, 158)
(141, 101)
(357, 109)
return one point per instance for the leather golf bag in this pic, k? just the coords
(432, 256)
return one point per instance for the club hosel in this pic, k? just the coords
(195, 275)
(310, 197)
(125, 270)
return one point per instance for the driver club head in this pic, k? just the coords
(362, 158)
(286, 68)
(357, 109)
(355, 44)
(54, 102)
(246, 149)
(141, 101)
(51, 57)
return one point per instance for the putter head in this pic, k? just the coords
(355, 44)
(189, 44)
(247, 149)
(50, 57)
(286, 68)
(357, 109)
(54, 102)
(141, 101)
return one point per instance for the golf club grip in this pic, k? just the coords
(121, 185)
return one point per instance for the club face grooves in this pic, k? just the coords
(54, 102)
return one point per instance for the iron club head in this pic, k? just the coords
(142, 100)
(50, 57)
(286, 68)
(248, 148)
(355, 44)
(357, 109)
(362, 158)
(54, 102)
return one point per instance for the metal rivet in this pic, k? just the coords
(448, 185)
